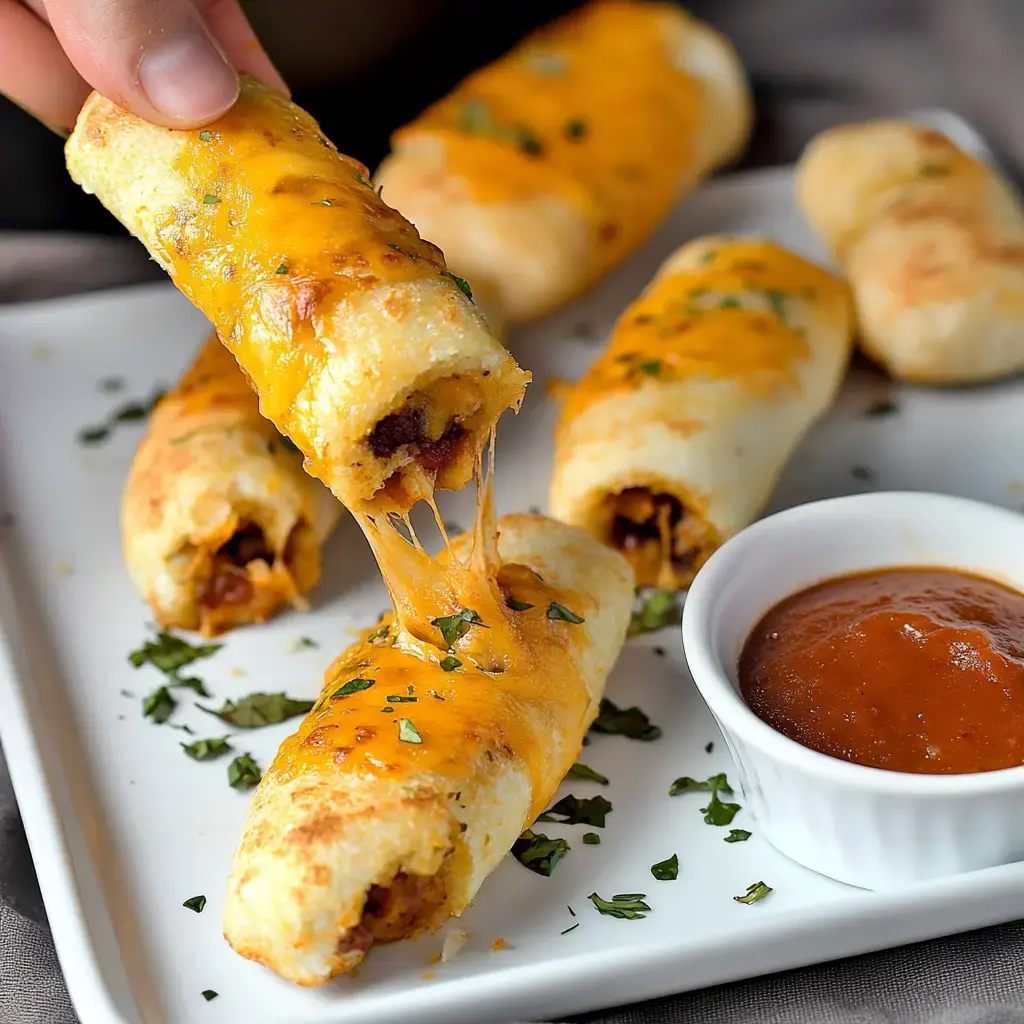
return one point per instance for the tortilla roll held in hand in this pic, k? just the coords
(362, 347)
(544, 170)
(219, 522)
(932, 241)
(675, 437)
(421, 763)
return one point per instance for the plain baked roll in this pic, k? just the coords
(542, 171)
(675, 437)
(932, 241)
(219, 522)
(364, 349)
(412, 776)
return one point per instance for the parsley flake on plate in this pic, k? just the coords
(516, 605)
(450, 664)
(207, 750)
(666, 870)
(627, 906)
(738, 835)
(582, 771)
(196, 903)
(591, 839)
(243, 772)
(718, 812)
(754, 892)
(536, 851)
(658, 609)
(715, 783)
(631, 722)
(882, 407)
(159, 705)
(169, 653)
(209, 994)
(259, 709)
(571, 810)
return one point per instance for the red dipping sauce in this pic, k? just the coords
(914, 670)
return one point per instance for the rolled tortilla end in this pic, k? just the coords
(220, 524)
(363, 347)
(674, 439)
(417, 769)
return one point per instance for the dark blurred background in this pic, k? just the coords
(364, 69)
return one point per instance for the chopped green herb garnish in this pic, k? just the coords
(193, 683)
(352, 686)
(396, 698)
(738, 835)
(111, 385)
(302, 643)
(454, 626)
(322, 202)
(778, 303)
(205, 136)
(658, 609)
(196, 903)
(407, 732)
(571, 810)
(282, 269)
(652, 368)
(582, 771)
(462, 283)
(928, 170)
(259, 709)
(516, 605)
(209, 994)
(591, 839)
(159, 705)
(169, 653)
(882, 407)
(211, 200)
(536, 851)
(708, 747)
(707, 257)
(94, 435)
(755, 892)
(363, 181)
(207, 750)
(632, 722)
(560, 612)
(243, 772)
(729, 302)
(575, 129)
(450, 664)
(718, 812)
(716, 783)
(666, 870)
(628, 906)
(571, 928)
(404, 252)
(865, 474)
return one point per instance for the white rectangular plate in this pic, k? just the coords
(124, 827)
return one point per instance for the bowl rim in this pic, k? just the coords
(711, 677)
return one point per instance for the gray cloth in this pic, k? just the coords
(813, 63)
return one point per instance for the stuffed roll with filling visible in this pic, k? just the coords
(220, 523)
(422, 762)
(363, 348)
(675, 437)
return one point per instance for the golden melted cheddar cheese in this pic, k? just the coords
(725, 320)
(593, 108)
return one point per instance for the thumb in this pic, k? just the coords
(155, 57)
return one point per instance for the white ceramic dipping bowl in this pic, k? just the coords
(869, 827)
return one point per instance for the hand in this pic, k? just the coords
(171, 62)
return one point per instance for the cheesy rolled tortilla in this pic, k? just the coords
(542, 171)
(932, 241)
(675, 437)
(220, 524)
(362, 347)
(412, 776)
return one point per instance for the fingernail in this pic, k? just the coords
(187, 78)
